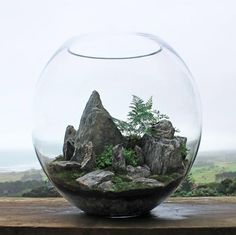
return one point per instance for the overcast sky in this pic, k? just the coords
(202, 32)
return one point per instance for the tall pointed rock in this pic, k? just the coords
(97, 126)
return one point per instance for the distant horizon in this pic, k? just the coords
(25, 159)
(31, 149)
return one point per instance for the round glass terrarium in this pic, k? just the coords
(117, 122)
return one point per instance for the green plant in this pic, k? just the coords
(105, 158)
(166, 178)
(184, 150)
(140, 118)
(130, 157)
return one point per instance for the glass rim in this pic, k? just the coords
(114, 46)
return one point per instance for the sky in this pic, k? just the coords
(202, 32)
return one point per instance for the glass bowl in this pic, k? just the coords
(117, 122)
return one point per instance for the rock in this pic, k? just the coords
(94, 178)
(182, 140)
(68, 149)
(163, 156)
(149, 182)
(89, 160)
(163, 129)
(139, 155)
(97, 125)
(69, 140)
(78, 155)
(118, 160)
(106, 186)
(70, 133)
(137, 172)
(58, 166)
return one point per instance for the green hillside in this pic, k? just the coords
(206, 174)
(28, 175)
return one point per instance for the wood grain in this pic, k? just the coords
(176, 216)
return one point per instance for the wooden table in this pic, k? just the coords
(44, 216)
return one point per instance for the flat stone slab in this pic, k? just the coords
(94, 178)
(27, 216)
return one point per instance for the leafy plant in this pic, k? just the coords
(105, 158)
(130, 157)
(140, 118)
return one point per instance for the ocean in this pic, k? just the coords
(18, 160)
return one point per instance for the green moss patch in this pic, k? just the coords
(166, 179)
(66, 177)
(124, 184)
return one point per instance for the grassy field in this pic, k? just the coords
(21, 175)
(206, 174)
(11, 176)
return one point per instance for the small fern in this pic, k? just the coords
(105, 158)
(140, 118)
(130, 157)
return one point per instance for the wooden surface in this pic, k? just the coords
(177, 216)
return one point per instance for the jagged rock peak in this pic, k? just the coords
(69, 139)
(97, 126)
(94, 101)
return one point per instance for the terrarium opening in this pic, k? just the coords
(114, 46)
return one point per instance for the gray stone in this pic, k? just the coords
(89, 160)
(163, 155)
(96, 125)
(139, 155)
(118, 160)
(69, 140)
(149, 182)
(163, 129)
(106, 186)
(182, 140)
(68, 149)
(137, 172)
(94, 178)
(78, 155)
(58, 166)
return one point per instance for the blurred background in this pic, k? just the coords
(202, 32)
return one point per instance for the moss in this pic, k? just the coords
(166, 178)
(66, 177)
(59, 158)
(162, 178)
(124, 184)
(70, 174)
